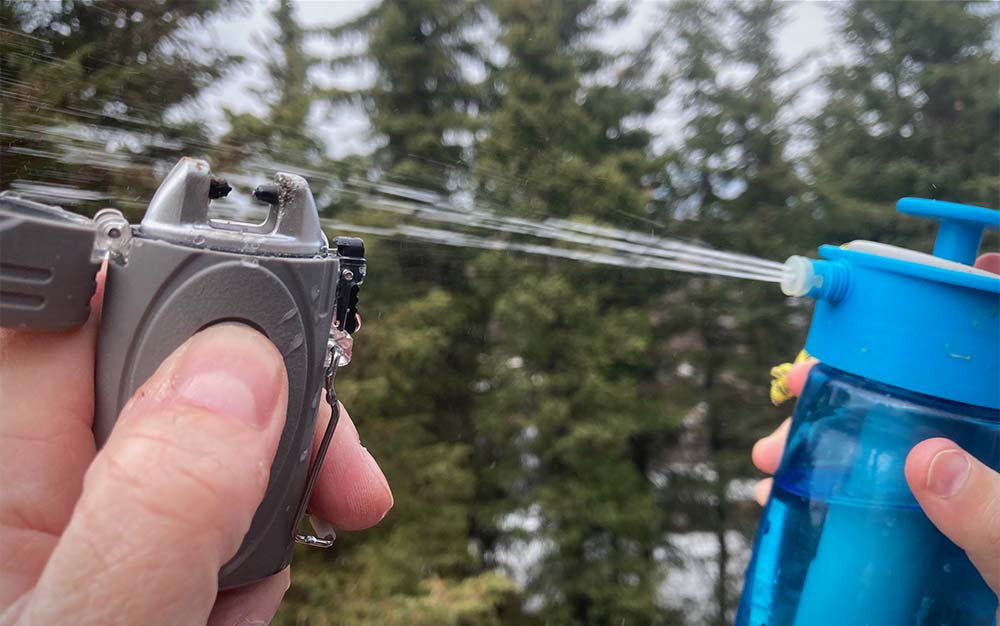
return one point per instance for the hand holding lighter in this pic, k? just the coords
(178, 272)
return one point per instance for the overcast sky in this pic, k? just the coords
(807, 35)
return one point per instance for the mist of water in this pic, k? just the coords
(440, 220)
(597, 244)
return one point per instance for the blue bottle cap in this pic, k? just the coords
(926, 323)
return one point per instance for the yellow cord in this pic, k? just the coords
(779, 386)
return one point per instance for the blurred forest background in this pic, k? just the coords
(568, 442)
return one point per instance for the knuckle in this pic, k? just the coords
(993, 529)
(149, 488)
(991, 513)
(986, 551)
(185, 469)
(169, 480)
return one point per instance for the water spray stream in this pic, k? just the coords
(462, 240)
(676, 254)
(584, 242)
(604, 244)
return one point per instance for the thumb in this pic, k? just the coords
(962, 497)
(168, 500)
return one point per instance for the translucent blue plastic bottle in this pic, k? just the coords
(909, 345)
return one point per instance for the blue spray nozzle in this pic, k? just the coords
(960, 233)
(961, 226)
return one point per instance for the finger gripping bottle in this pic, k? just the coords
(908, 347)
(181, 271)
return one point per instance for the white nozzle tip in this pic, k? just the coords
(799, 277)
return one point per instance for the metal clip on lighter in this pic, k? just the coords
(180, 271)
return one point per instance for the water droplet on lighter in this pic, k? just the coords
(304, 455)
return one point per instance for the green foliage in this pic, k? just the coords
(420, 93)
(730, 183)
(123, 70)
(424, 332)
(556, 148)
(568, 365)
(283, 133)
(910, 114)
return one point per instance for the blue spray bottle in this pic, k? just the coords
(909, 349)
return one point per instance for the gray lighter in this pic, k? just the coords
(180, 271)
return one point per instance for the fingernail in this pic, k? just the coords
(947, 473)
(231, 370)
(762, 490)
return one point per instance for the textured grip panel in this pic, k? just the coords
(165, 294)
(46, 271)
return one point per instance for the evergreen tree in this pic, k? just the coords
(422, 338)
(728, 184)
(283, 134)
(567, 364)
(915, 112)
(421, 102)
(90, 94)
